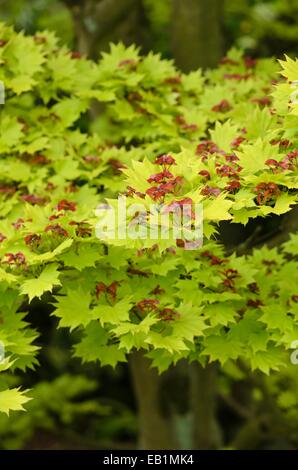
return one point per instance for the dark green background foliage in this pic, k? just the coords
(261, 27)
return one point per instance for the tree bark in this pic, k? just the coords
(155, 429)
(206, 434)
(196, 33)
(97, 23)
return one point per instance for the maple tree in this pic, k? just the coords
(163, 136)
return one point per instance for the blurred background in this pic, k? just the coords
(86, 407)
(195, 32)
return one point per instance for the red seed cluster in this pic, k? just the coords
(110, 291)
(130, 63)
(253, 287)
(19, 223)
(237, 76)
(263, 101)
(184, 125)
(75, 55)
(34, 200)
(237, 142)
(7, 189)
(147, 305)
(56, 228)
(39, 159)
(254, 303)
(157, 290)
(249, 62)
(82, 229)
(160, 177)
(222, 107)
(214, 260)
(205, 174)
(283, 143)
(228, 171)
(227, 61)
(17, 259)
(185, 204)
(266, 193)
(230, 275)
(158, 193)
(93, 159)
(168, 314)
(210, 191)
(173, 80)
(32, 239)
(116, 165)
(132, 192)
(289, 162)
(270, 264)
(65, 205)
(205, 147)
(166, 160)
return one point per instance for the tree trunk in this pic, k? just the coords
(155, 429)
(97, 23)
(206, 435)
(196, 33)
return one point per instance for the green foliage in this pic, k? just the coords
(38, 15)
(55, 405)
(262, 27)
(12, 399)
(234, 155)
(265, 27)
